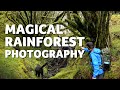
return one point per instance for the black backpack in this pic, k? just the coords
(106, 59)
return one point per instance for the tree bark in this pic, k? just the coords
(103, 36)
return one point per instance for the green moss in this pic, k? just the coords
(67, 73)
(75, 69)
(114, 73)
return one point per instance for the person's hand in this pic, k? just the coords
(81, 48)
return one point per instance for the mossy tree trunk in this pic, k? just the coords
(103, 36)
(93, 25)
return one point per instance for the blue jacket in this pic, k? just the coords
(96, 61)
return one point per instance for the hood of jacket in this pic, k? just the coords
(96, 50)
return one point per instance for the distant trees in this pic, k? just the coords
(34, 17)
(115, 12)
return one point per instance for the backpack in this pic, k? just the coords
(106, 59)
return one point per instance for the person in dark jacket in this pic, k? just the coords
(96, 62)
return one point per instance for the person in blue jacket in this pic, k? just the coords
(96, 62)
